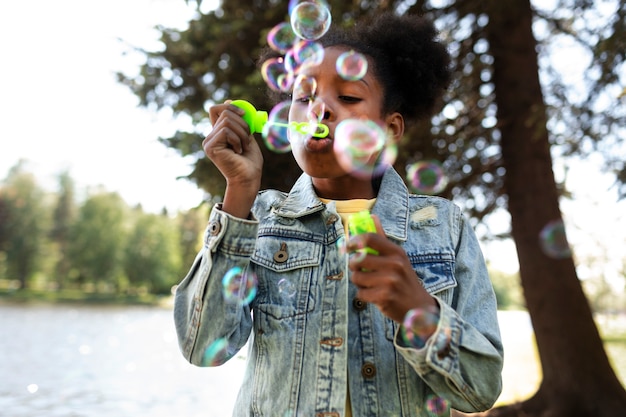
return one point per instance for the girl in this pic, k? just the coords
(328, 333)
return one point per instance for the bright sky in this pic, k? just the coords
(62, 108)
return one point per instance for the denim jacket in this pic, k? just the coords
(309, 343)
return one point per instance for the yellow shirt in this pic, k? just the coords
(345, 208)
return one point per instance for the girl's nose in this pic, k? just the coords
(319, 111)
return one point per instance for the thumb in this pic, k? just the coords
(378, 224)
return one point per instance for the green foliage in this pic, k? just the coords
(63, 217)
(152, 255)
(97, 241)
(24, 220)
(191, 225)
(94, 249)
(508, 290)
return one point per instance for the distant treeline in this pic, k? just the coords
(97, 243)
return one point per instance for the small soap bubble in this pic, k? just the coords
(426, 177)
(304, 87)
(553, 240)
(308, 53)
(316, 112)
(216, 353)
(437, 406)
(418, 322)
(239, 286)
(358, 255)
(341, 245)
(276, 75)
(290, 62)
(361, 147)
(281, 37)
(310, 19)
(275, 132)
(351, 66)
(286, 288)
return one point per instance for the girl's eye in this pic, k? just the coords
(303, 99)
(350, 99)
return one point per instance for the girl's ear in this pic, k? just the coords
(395, 126)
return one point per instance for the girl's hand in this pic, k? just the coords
(231, 147)
(387, 279)
(233, 150)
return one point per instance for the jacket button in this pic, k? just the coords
(359, 305)
(214, 227)
(331, 219)
(368, 370)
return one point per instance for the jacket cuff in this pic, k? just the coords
(441, 350)
(232, 234)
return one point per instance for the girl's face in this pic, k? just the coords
(335, 99)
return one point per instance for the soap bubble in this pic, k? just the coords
(276, 75)
(310, 19)
(281, 37)
(239, 286)
(437, 406)
(304, 87)
(308, 53)
(351, 66)
(275, 132)
(426, 177)
(361, 147)
(286, 288)
(341, 245)
(216, 353)
(418, 322)
(316, 111)
(553, 240)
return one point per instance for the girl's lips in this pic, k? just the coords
(319, 145)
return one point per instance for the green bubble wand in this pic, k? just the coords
(257, 120)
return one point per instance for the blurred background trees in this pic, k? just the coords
(53, 241)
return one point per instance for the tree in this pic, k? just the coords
(63, 217)
(191, 224)
(152, 257)
(576, 381)
(97, 240)
(495, 137)
(24, 224)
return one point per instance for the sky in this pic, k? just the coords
(62, 109)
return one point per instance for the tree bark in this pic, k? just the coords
(577, 377)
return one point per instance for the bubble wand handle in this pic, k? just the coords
(257, 119)
(362, 222)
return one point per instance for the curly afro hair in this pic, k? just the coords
(408, 60)
(412, 66)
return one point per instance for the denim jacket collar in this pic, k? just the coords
(392, 198)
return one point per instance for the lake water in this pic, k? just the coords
(62, 361)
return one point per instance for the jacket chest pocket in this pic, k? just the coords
(436, 271)
(286, 270)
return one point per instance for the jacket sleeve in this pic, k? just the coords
(202, 316)
(467, 372)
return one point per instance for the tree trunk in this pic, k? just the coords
(577, 377)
